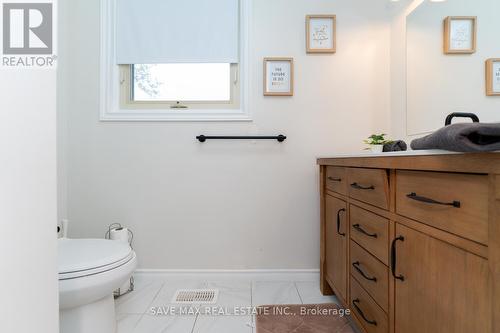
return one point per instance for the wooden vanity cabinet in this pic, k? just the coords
(439, 287)
(416, 245)
(336, 247)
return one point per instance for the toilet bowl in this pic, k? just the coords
(89, 271)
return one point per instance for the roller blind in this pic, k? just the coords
(177, 31)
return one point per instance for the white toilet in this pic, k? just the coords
(89, 271)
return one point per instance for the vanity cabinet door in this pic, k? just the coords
(439, 288)
(336, 245)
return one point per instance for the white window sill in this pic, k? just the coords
(195, 115)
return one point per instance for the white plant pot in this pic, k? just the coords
(377, 148)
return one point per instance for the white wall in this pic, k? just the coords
(227, 205)
(29, 296)
(63, 100)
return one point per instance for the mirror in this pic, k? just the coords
(439, 83)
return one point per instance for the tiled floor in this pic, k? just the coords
(134, 314)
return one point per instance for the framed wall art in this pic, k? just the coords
(460, 34)
(321, 33)
(493, 77)
(278, 76)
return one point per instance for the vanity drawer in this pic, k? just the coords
(370, 186)
(371, 232)
(336, 179)
(457, 203)
(370, 315)
(371, 274)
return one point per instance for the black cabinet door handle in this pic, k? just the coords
(355, 302)
(361, 230)
(359, 187)
(357, 265)
(338, 222)
(333, 179)
(414, 196)
(393, 258)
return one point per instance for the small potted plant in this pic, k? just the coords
(377, 142)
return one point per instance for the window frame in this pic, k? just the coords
(113, 80)
(127, 102)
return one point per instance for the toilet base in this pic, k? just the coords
(97, 317)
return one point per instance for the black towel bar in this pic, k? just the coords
(203, 138)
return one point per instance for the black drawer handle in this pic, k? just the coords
(355, 302)
(335, 179)
(416, 197)
(393, 258)
(357, 265)
(361, 230)
(359, 187)
(338, 222)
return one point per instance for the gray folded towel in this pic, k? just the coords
(398, 145)
(476, 137)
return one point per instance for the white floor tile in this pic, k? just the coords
(230, 285)
(233, 294)
(268, 293)
(165, 324)
(223, 324)
(139, 300)
(126, 323)
(310, 293)
(133, 314)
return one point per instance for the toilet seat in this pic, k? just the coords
(90, 270)
(83, 257)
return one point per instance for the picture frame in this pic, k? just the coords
(493, 77)
(278, 76)
(460, 34)
(321, 33)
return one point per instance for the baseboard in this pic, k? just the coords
(225, 274)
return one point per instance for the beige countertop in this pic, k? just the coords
(392, 154)
(432, 160)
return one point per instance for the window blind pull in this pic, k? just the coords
(178, 105)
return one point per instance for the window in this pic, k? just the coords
(180, 86)
(182, 82)
(192, 66)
